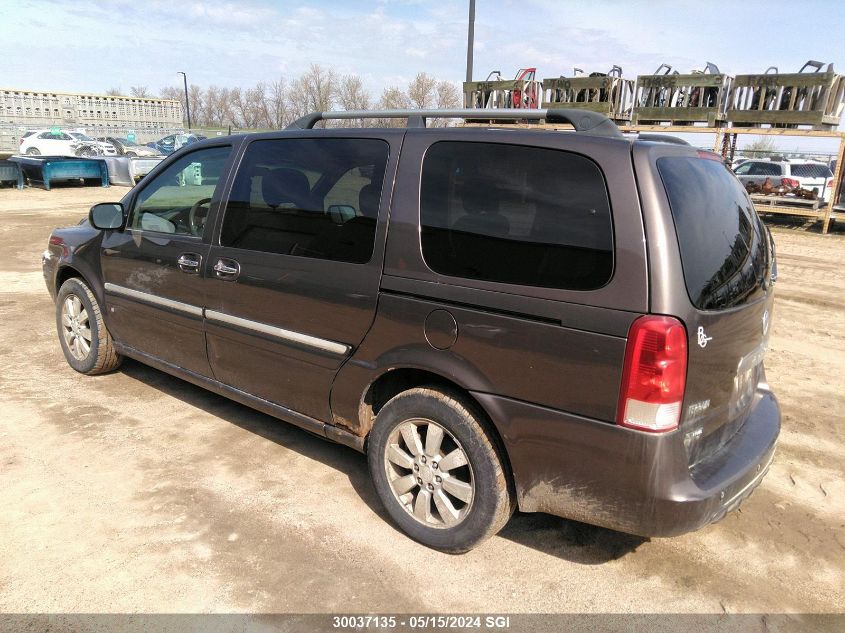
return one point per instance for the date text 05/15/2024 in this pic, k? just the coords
(430, 622)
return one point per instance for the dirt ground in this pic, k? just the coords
(136, 491)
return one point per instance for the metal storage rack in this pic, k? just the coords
(682, 99)
(814, 99)
(522, 92)
(610, 95)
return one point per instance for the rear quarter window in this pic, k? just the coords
(765, 169)
(810, 170)
(720, 237)
(515, 214)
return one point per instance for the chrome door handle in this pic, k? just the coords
(189, 262)
(227, 268)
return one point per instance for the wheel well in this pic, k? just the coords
(394, 382)
(65, 273)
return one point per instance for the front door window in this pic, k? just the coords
(177, 200)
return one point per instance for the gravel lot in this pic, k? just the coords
(136, 491)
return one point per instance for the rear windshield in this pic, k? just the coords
(721, 239)
(810, 170)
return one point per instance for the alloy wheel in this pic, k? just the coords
(76, 327)
(429, 473)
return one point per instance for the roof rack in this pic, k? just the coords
(584, 122)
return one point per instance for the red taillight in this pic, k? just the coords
(790, 182)
(830, 184)
(57, 241)
(654, 375)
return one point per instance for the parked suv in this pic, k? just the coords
(571, 323)
(63, 143)
(807, 174)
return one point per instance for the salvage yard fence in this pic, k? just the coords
(11, 134)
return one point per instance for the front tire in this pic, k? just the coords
(438, 471)
(87, 345)
(33, 151)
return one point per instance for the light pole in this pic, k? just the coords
(187, 105)
(470, 38)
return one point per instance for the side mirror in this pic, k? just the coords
(106, 216)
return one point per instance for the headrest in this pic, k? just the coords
(285, 186)
(368, 200)
(478, 195)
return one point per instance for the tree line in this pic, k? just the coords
(273, 105)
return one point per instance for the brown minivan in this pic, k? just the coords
(571, 322)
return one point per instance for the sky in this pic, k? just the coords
(93, 46)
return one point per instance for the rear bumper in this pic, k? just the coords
(626, 480)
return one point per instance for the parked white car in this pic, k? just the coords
(63, 143)
(808, 174)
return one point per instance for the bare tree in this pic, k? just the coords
(197, 101)
(114, 92)
(761, 146)
(247, 105)
(276, 106)
(314, 91)
(139, 91)
(448, 96)
(173, 92)
(351, 95)
(393, 99)
(422, 91)
(218, 109)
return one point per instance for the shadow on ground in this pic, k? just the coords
(803, 224)
(568, 540)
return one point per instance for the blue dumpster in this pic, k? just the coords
(11, 172)
(45, 169)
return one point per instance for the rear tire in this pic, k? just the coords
(87, 345)
(33, 151)
(437, 470)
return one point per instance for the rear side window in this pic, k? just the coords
(764, 169)
(723, 250)
(308, 197)
(810, 170)
(515, 214)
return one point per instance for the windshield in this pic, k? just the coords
(79, 136)
(721, 239)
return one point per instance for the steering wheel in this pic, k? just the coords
(196, 221)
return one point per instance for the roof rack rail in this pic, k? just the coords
(584, 121)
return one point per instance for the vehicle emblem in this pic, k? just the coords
(703, 339)
(765, 322)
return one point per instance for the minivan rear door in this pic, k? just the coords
(717, 277)
(293, 273)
